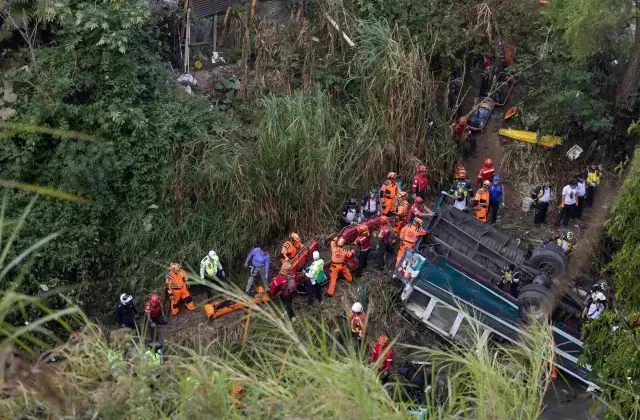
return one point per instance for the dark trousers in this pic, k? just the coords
(363, 256)
(569, 212)
(494, 206)
(213, 280)
(383, 248)
(541, 212)
(368, 215)
(511, 288)
(287, 301)
(313, 291)
(591, 191)
(152, 329)
(357, 341)
(580, 206)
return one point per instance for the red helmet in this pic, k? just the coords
(488, 162)
(419, 200)
(422, 168)
(155, 298)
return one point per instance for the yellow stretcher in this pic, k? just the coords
(531, 137)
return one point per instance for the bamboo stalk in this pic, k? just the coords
(335, 25)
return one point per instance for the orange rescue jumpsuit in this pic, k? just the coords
(481, 203)
(388, 194)
(177, 284)
(289, 250)
(402, 213)
(338, 266)
(409, 235)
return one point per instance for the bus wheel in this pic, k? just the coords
(534, 303)
(549, 261)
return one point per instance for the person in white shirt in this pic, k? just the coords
(370, 205)
(568, 201)
(582, 193)
(349, 212)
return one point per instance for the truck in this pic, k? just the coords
(451, 278)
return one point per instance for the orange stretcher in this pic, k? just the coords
(226, 306)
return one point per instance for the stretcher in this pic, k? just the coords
(531, 137)
(226, 306)
(481, 114)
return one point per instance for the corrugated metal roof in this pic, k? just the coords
(276, 10)
(206, 8)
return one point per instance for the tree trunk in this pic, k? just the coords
(631, 78)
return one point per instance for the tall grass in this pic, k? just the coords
(399, 91)
(286, 373)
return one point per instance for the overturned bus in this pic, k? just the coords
(451, 279)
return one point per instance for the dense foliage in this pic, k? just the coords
(104, 76)
(612, 347)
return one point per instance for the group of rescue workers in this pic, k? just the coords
(406, 211)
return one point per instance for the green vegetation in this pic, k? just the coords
(286, 372)
(136, 173)
(612, 346)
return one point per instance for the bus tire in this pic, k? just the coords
(548, 261)
(534, 303)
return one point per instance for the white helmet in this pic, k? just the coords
(212, 254)
(316, 255)
(125, 298)
(357, 307)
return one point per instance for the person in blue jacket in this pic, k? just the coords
(496, 197)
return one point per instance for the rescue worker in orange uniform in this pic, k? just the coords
(409, 236)
(338, 265)
(486, 172)
(388, 194)
(402, 212)
(178, 290)
(291, 247)
(481, 202)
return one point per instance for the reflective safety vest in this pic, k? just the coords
(153, 358)
(176, 279)
(211, 265)
(510, 276)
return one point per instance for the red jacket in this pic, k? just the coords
(420, 184)
(486, 174)
(364, 242)
(377, 352)
(279, 285)
(153, 309)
